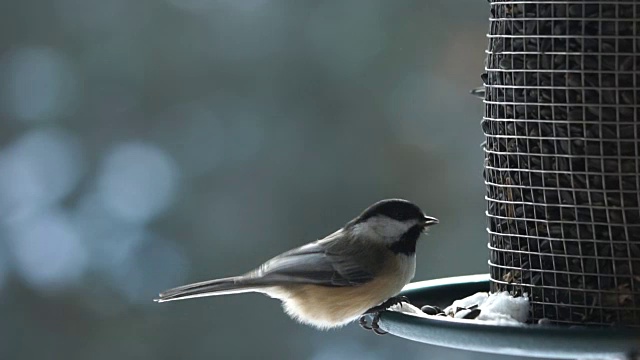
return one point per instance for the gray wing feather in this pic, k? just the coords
(321, 263)
(326, 262)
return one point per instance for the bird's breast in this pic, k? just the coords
(327, 307)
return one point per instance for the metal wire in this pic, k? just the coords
(562, 164)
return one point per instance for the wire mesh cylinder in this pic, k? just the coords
(562, 127)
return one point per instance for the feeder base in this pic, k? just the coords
(544, 341)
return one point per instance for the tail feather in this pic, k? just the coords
(230, 285)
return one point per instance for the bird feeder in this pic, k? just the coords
(562, 174)
(562, 159)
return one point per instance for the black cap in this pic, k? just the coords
(397, 209)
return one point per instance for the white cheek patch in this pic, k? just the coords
(383, 228)
(360, 230)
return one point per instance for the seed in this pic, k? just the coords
(431, 310)
(462, 313)
(472, 314)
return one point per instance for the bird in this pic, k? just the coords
(356, 271)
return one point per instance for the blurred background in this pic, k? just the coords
(146, 144)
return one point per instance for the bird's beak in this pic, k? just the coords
(428, 221)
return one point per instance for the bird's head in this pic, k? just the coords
(397, 223)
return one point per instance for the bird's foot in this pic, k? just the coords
(375, 311)
(375, 326)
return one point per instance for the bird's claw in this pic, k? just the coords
(363, 323)
(375, 326)
(376, 310)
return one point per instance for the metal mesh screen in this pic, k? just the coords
(561, 157)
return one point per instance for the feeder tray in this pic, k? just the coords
(543, 341)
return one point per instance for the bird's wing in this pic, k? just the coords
(321, 263)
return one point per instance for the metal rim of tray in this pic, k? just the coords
(546, 341)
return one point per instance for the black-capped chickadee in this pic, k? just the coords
(357, 270)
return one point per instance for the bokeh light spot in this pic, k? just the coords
(38, 170)
(137, 181)
(48, 251)
(39, 83)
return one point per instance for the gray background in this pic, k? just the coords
(146, 144)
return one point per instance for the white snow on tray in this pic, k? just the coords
(498, 308)
(408, 309)
(504, 307)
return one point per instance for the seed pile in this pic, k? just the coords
(499, 308)
(470, 312)
(562, 127)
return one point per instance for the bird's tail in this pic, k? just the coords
(230, 285)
